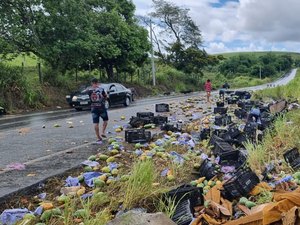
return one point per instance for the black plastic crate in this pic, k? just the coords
(240, 113)
(169, 127)
(250, 130)
(220, 110)
(145, 114)
(231, 101)
(232, 158)
(137, 136)
(213, 139)
(221, 146)
(240, 140)
(159, 120)
(136, 122)
(204, 133)
(222, 120)
(183, 214)
(242, 94)
(231, 135)
(163, 107)
(292, 157)
(240, 184)
(219, 132)
(207, 170)
(186, 197)
(220, 104)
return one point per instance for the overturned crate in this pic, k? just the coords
(162, 107)
(292, 157)
(240, 184)
(137, 136)
(186, 198)
(145, 114)
(222, 120)
(160, 120)
(220, 110)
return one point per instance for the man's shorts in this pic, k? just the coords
(97, 113)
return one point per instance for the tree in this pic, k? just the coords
(71, 33)
(177, 21)
(121, 44)
(181, 47)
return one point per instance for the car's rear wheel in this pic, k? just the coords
(127, 101)
(107, 104)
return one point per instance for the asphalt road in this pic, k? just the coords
(52, 150)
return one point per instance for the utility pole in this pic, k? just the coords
(152, 54)
(260, 71)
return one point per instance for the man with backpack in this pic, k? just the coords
(98, 97)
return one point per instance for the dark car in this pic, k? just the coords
(117, 95)
(2, 111)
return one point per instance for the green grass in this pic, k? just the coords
(139, 186)
(29, 60)
(290, 91)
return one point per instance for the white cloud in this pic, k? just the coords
(247, 25)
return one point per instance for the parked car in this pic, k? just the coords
(2, 111)
(117, 94)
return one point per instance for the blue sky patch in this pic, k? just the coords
(221, 3)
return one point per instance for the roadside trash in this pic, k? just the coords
(137, 136)
(240, 184)
(223, 120)
(16, 166)
(220, 104)
(292, 157)
(159, 120)
(220, 110)
(136, 122)
(242, 94)
(89, 178)
(208, 169)
(162, 107)
(177, 157)
(145, 115)
(232, 101)
(186, 198)
(278, 107)
(71, 191)
(205, 134)
(42, 196)
(38, 211)
(11, 216)
(221, 146)
(72, 181)
(56, 125)
(240, 113)
(90, 163)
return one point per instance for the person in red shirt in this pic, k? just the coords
(208, 88)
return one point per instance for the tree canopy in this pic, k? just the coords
(70, 33)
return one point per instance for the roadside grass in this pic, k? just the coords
(283, 136)
(166, 205)
(290, 91)
(140, 184)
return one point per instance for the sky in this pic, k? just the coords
(242, 25)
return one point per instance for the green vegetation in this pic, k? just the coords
(73, 42)
(290, 91)
(167, 205)
(140, 183)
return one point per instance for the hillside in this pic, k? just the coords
(295, 55)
